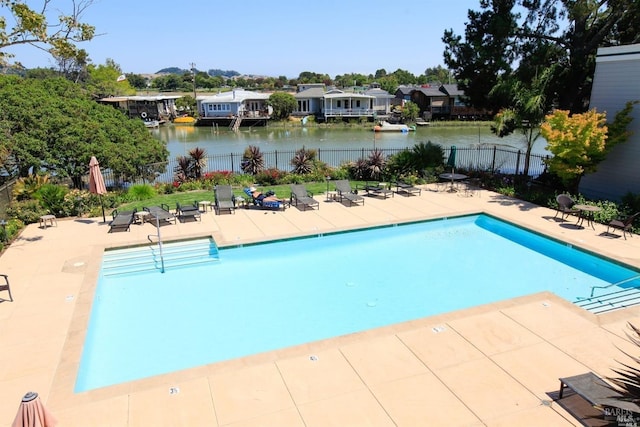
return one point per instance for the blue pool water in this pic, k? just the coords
(269, 296)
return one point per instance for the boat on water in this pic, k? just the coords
(150, 123)
(184, 120)
(385, 126)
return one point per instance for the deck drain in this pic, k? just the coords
(174, 390)
(313, 358)
(438, 329)
(546, 402)
(68, 298)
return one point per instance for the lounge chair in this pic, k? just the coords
(300, 195)
(343, 187)
(565, 206)
(6, 287)
(122, 220)
(408, 189)
(261, 203)
(160, 213)
(376, 190)
(625, 224)
(188, 211)
(225, 200)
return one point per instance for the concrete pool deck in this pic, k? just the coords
(490, 365)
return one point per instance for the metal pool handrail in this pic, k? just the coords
(159, 243)
(630, 279)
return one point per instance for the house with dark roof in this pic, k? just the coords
(616, 81)
(438, 101)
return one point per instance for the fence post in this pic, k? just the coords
(493, 161)
(232, 166)
(276, 154)
(518, 163)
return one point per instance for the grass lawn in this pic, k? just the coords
(189, 197)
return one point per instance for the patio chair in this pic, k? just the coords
(343, 187)
(378, 189)
(122, 220)
(408, 189)
(300, 195)
(224, 199)
(185, 212)
(160, 213)
(565, 206)
(625, 225)
(6, 287)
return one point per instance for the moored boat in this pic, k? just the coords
(385, 126)
(184, 120)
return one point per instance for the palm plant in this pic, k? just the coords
(198, 161)
(252, 160)
(376, 164)
(183, 169)
(628, 383)
(302, 161)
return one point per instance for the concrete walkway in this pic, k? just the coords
(491, 365)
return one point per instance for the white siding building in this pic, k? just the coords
(616, 82)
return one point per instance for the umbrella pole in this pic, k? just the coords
(102, 206)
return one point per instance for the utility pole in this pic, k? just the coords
(193, 71)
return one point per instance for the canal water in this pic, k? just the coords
(182, 138)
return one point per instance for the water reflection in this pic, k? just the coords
(180, 139)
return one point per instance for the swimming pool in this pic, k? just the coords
(268, 296)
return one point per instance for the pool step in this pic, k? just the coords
(611, 301)
(147, 258)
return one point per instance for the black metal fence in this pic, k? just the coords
(490, 159)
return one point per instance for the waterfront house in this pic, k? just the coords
(234, 108)
(615, 83)
(150, 107)
(314, 99)
(438, 102)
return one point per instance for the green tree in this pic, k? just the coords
(525, 112)
(283, 104)
(52, 125)
(410, 111)
(33, 28)
(103, 81)
(578, 144)
(520, 37)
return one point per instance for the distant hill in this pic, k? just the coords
(213, 73)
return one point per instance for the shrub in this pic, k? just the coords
(27, 211)
(269, 176)
(52, 198)
(375, 164)
(26, 187)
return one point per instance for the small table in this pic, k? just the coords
(453, 177)
(51, 219)
(586, 212)
(141, 216)
(240, 201)
(205, 205)
(595, 391)
(332, 196)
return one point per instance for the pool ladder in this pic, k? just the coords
(613, 300)
(159, 244)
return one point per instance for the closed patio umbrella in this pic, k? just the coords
(451, 161)
(32, 413)
(96, 182)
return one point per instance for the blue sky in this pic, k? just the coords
(273, 38)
